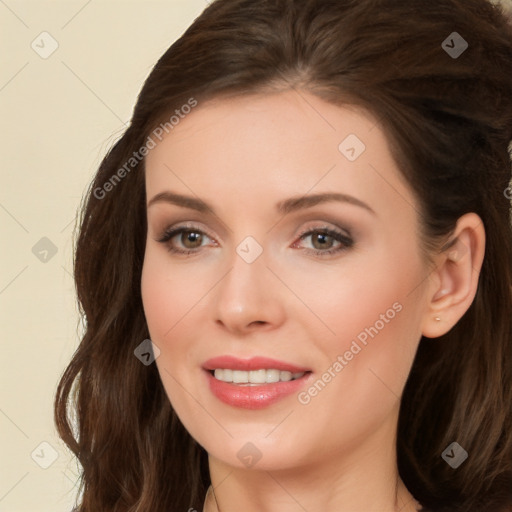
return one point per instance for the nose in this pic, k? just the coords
(249, 298)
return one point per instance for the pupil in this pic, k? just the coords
(321, 240)
(192, 238)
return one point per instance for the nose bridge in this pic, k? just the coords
(246, 294)
(246, 275)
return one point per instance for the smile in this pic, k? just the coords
(254, 377)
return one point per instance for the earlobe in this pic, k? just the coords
(454, 282)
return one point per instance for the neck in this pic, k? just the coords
(364, 480)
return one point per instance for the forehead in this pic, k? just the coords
(302, 114)
(272, 146)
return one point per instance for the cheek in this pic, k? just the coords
(158, 298)
(168, 294)
(175, 299)
(366, 364)
(367, 315)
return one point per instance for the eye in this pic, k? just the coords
(187, 240)
(326, 241)
(183, 239)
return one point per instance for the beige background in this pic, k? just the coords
(58, 116)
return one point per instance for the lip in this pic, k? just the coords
(256, 396)
(253, 363)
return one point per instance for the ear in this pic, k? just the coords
(454, 282)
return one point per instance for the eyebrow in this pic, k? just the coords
(299, 203)
(284, 207)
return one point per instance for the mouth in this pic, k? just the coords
(253, 383)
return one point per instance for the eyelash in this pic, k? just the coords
(345, 241)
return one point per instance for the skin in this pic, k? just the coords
(243, 156)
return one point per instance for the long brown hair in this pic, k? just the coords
(448, 119)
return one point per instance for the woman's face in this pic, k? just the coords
(303, 249)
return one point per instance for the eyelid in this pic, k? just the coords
(325, 227)
(183, 226)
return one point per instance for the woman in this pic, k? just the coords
(296, 268)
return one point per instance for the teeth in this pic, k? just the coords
(255, 376)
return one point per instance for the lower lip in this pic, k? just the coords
(256, 396)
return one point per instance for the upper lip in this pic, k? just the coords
(252, 363)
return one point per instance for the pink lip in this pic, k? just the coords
(253, 363)
(256, 396)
